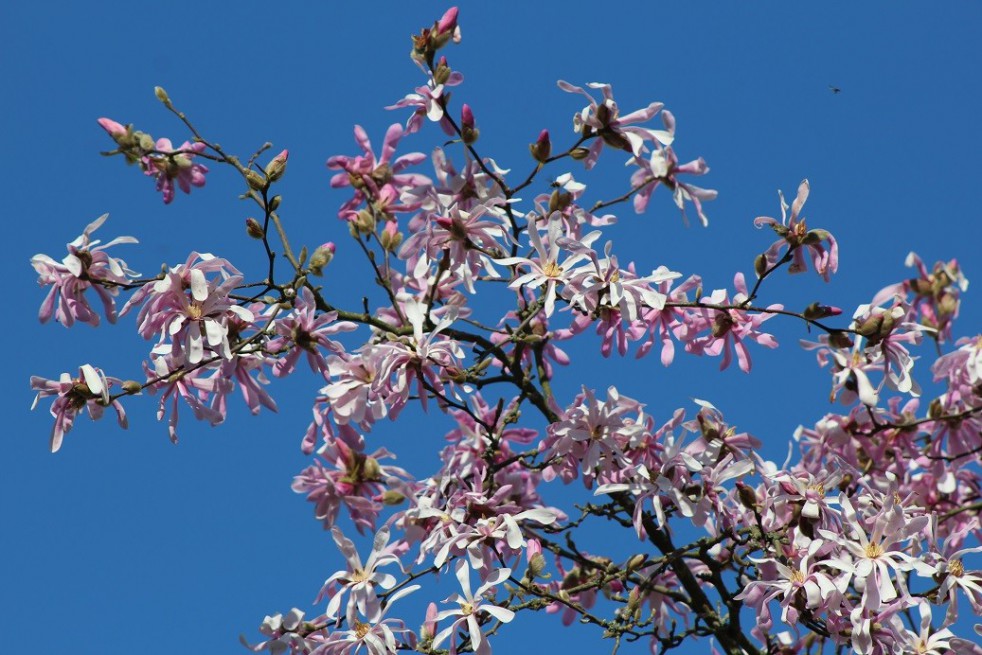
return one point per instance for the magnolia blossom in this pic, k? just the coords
(90, 390)
(545, 269)
(359, 580)
(86, 266)
(603, 120)
(472, 604)
(175, 165)
(796, 236)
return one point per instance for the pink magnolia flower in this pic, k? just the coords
(378, 180)
(603, 120)
(663, 169)
(90, 390)
(730, 329)
(873, 559)
(471, 604)
(796, 235)
(86, 266)
(306, 332)
(175, 165)
(283, 633)
(545, 269)
(377, 636)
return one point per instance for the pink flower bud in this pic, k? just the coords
(467, 116)
(112, 127)
(448, 22)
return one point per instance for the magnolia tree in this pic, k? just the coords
(862, 541)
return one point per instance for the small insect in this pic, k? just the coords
(834, 89)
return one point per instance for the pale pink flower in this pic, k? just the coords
(175, 165)
(796, 236)
(90, 390)
(603, 120)
(86, 266)
(359, 580)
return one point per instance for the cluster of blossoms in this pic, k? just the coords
(873, 522)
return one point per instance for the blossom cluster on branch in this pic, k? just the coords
(839, 549)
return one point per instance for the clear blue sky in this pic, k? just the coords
(123, 542)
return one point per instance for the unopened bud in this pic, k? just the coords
(816, 310)
(321, 258)
(145, 140)
(468, 131)
(579, 153)
(277, 166)
(815, 236)
(760, 265)
(537, 564)
(132, 386)
(441, 74)
(542, 148)
(255, 180)
(636, 562)
(365, 221)
(161, 95)
(254, 229)
(392, 497)
(274, 203)
(748, 497)
(391, 237)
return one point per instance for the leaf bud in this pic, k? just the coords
(254, 229)
(161, 95)
(132, 387)
(579, 153)
(274, 202)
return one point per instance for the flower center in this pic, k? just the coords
(467, 609)
(361, 629)
(797, 576)
(956, 568)
(874, 550)
(552, 269)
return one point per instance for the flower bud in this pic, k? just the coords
(391, 497)
(114, 129)
(254, 229)
(760, 265)
(132, 387)
(748, 497)
(391, 237)
(817, 310)
(579, 153)
(468, 132)
(537, 564)
(255, 180)
(441, 74)
(365, 221)
(161, 95)
(542, 148)
(145, 141)
(321, 258)
(274, 202)
(277, 166)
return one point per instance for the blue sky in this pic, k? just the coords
(123, 538)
